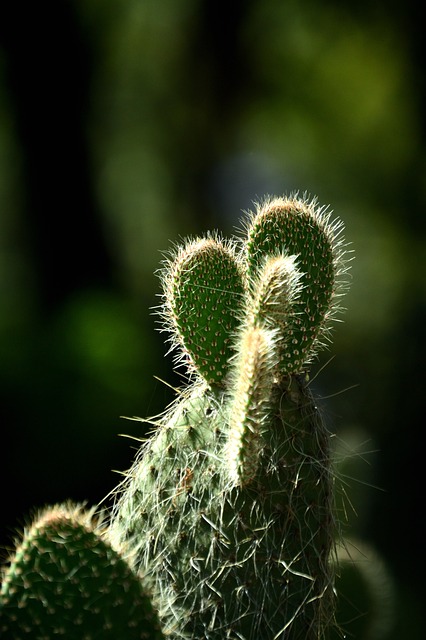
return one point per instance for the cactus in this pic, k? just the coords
(227, 515)
(228, 509)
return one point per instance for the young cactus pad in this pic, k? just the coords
(203, 291)
(66, 580)
(228, 509)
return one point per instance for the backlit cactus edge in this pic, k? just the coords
(225, 525)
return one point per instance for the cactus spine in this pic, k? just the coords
(228, 509)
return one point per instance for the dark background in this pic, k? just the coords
(127, 124)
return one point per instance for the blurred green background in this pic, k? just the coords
(125, 124)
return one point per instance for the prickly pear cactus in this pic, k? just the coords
(228, 509)
(66, 580)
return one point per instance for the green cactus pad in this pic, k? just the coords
(66, 580)
(281, 525)
(204, 292)
(159, 516)
(300, 228)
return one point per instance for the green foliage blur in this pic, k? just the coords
(126, 124)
